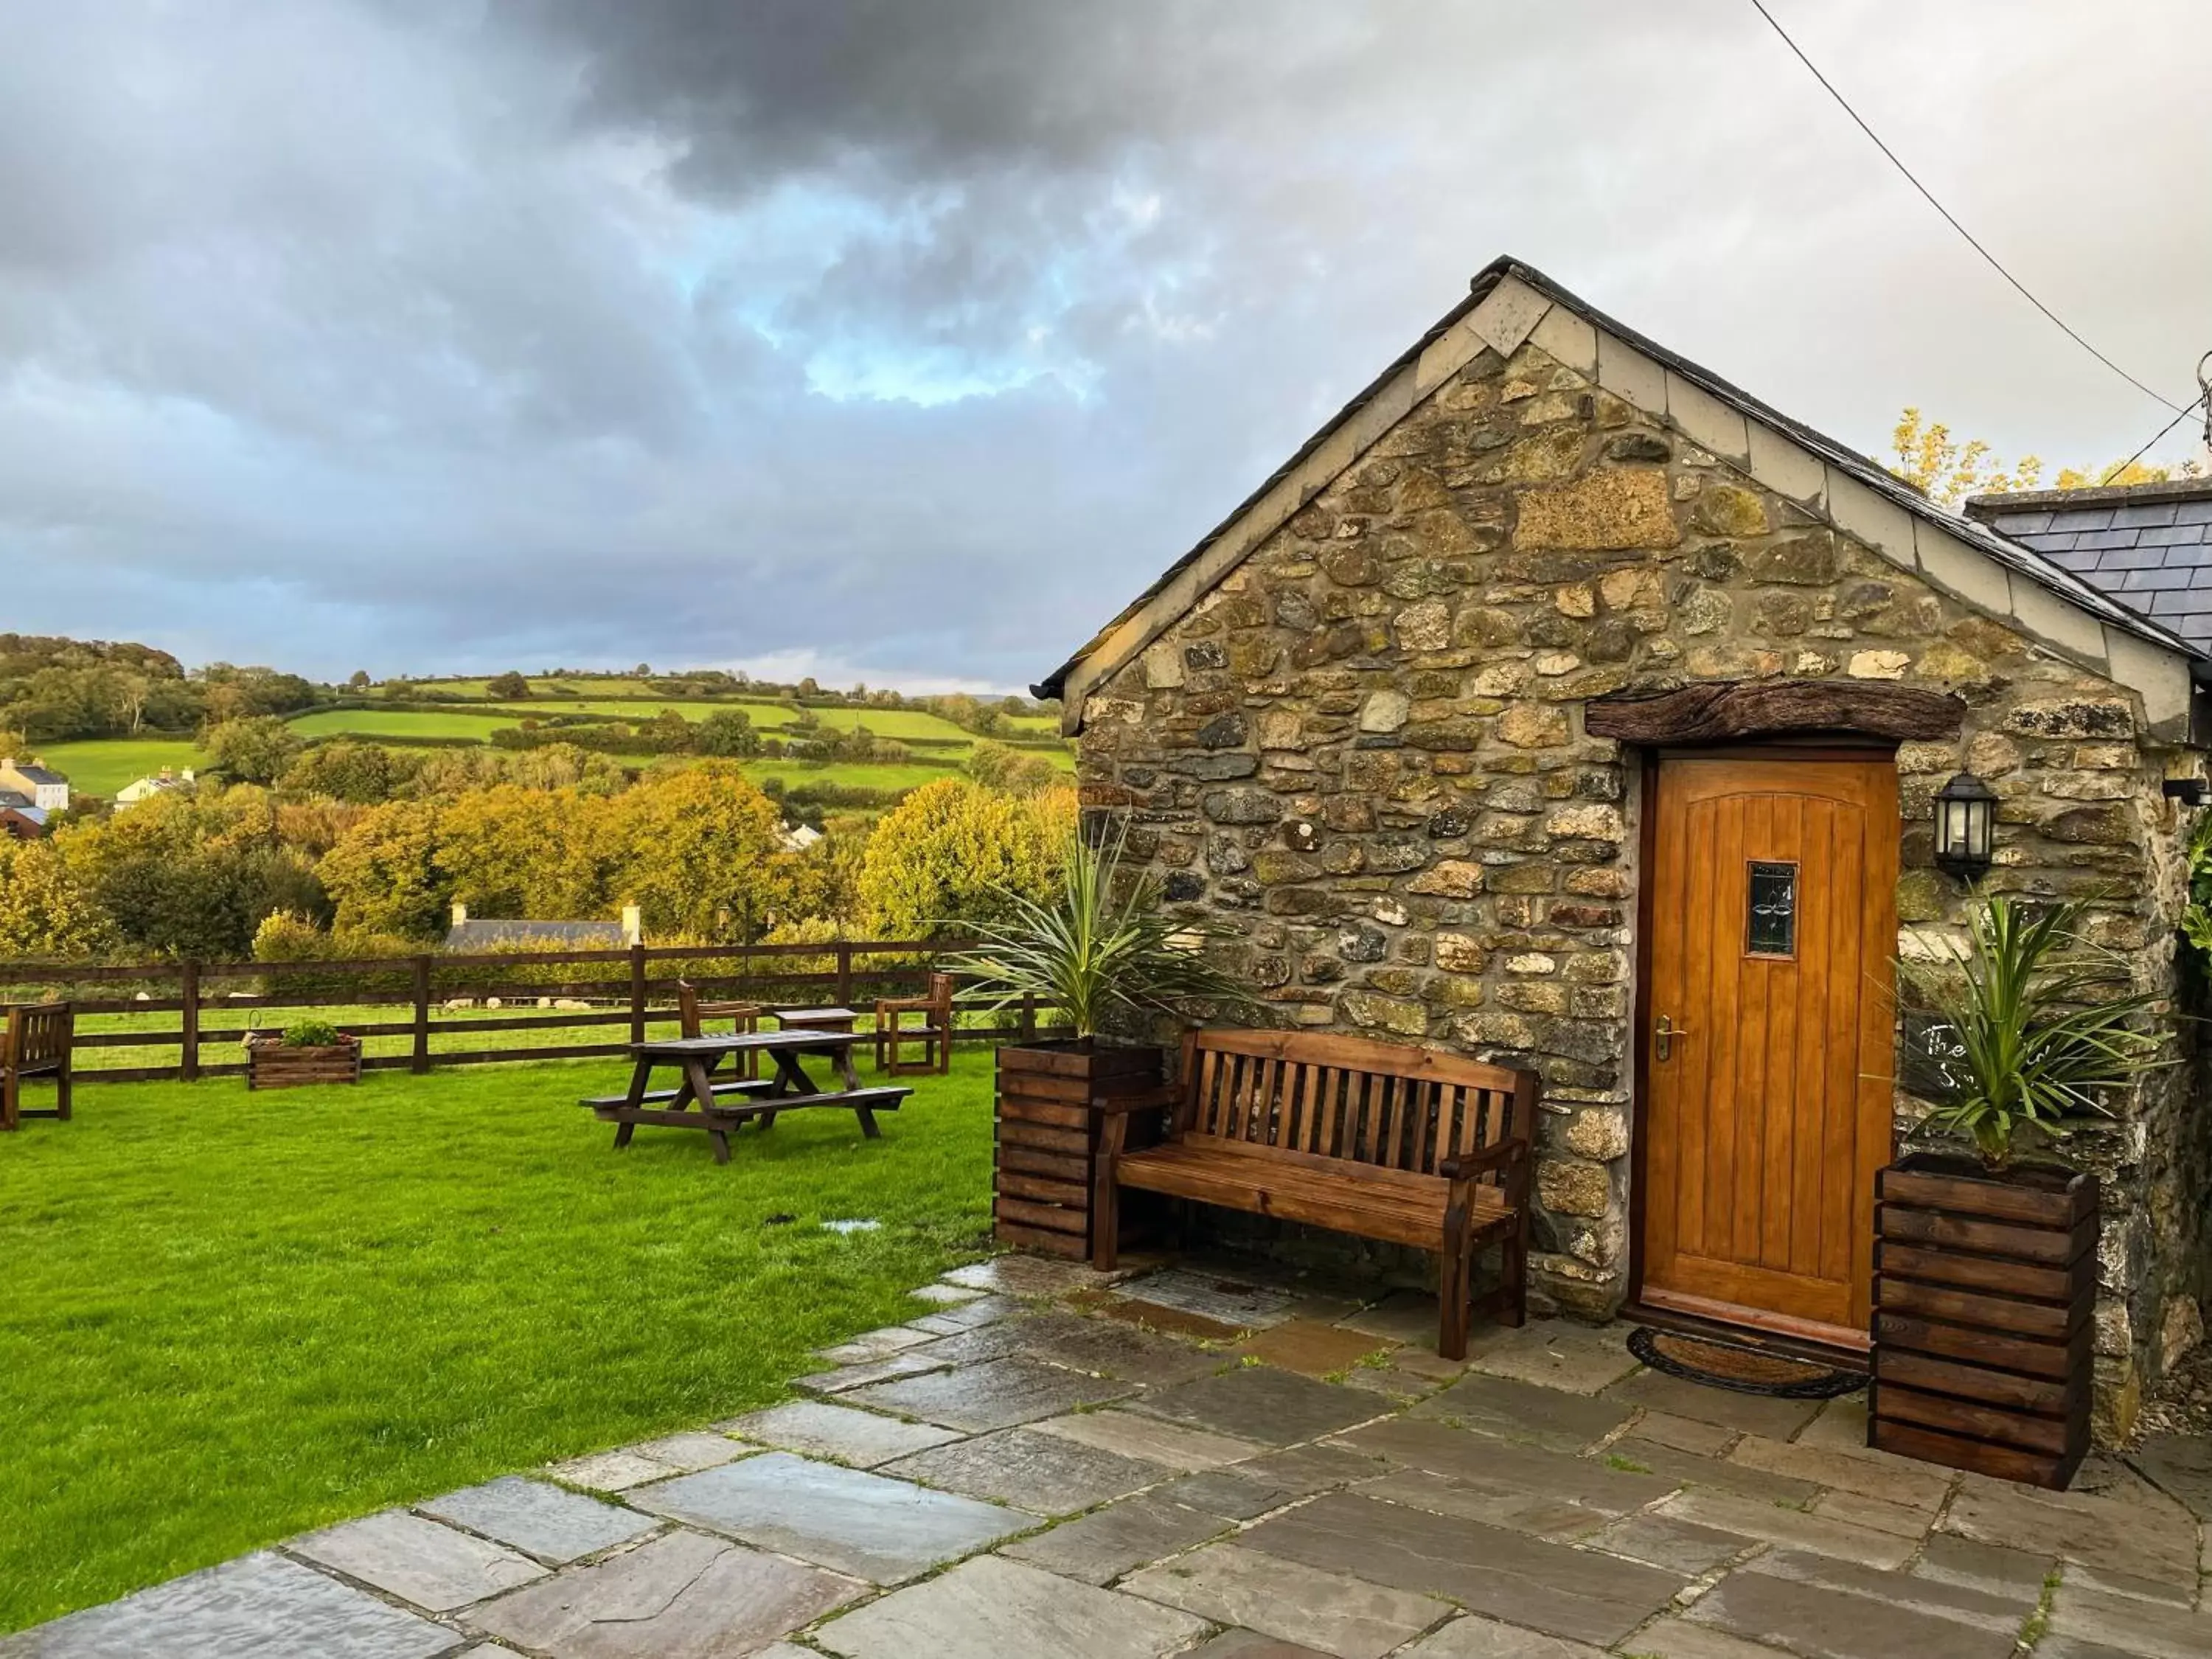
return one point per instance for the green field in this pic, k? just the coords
(396, 723)
(798, 774)
(102, 766)
(232, 1317)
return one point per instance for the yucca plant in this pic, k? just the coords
(2046, 1022)
(1102, 945)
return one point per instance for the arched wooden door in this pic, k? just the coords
(1768, 1048)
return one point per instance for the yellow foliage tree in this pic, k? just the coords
(948, 852)
(46, 908)
(700, 852)
(1945, 470)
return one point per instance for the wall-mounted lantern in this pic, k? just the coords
(1966, 826)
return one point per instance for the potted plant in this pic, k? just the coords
(306, 1051)
(1986, 1254)
(1101, 950)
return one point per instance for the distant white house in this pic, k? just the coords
(799, 840)
(146, 788)
(48, 790)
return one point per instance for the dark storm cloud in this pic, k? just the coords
(901, 339)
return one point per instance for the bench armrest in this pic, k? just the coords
(1513, 1150)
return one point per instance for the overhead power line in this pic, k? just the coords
(1951, 219)
(2204, 402)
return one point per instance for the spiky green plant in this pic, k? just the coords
(2047, 1022)
(2196, 916)
(1102, 943)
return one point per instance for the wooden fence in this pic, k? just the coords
(626, 989)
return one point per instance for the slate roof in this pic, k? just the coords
(494, 935)
(2149, 546)
(2013, 555)
(14, 798)
(36, 774)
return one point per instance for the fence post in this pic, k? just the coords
(421, 1060)
(844, 974)
(188, 990)
(637, 993)
(1029, 1016)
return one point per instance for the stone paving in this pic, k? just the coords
(1052, 1461)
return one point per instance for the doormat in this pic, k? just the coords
(1732, 1365)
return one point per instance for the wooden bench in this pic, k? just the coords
(35, 1042)
(1408, 1146)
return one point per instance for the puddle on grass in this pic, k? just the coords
(868, 1226)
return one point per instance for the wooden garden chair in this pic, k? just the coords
(35, 1044)
(894, 1035)
(742, 1017)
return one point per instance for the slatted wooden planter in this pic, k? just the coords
(270, 1065)
(1048, 1137)
(1983, 1295)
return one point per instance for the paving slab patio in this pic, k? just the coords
(865, 1525)
(1032, 1475)
(541, 1520)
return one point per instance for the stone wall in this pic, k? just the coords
(1365, 750)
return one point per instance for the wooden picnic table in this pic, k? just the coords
(701, 1100)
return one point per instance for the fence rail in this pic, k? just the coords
(476, 995)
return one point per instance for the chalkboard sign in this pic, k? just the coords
(1934, 1058)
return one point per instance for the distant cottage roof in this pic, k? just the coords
(1508, 301)
(2148, 545)
(14, 798)
(33, 773)
(495, 935)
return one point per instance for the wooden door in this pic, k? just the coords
(1773, 922)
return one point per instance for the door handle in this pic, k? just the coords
(1663, 1035)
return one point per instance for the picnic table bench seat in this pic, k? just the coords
(1406, 1146)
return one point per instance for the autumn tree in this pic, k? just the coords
(46, 908)
(383, 876)
(951, 850)
(1945, 470)
(252, 748)
(701, 852)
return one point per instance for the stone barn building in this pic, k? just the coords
(1559, 704)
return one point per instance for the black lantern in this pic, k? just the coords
(1965, 825)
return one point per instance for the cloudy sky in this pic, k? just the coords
(903, 340)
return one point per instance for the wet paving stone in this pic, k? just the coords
(1408, 1317)
(1318, 1608)
(540, 1520)
(946, 1296)
(1554, 1353)
(681, 1597)
(992, 1607)
(1507, 1468)
(1032, 1276)
(1775, 1524)
(1250, 1645)
(1042, 1473)
(1813, 1618)
(1508, 1410)
(845, 1379)
(1658, 1540)
(1894, 1479)
(1111, 1349)
(1258, 1402)
(257, 1606)
(1777, 1420)
(1151, 1316)
(1960, 1603)
(1533, 1513)
(1546, 1587)
(1633, 1453)
(2015, 1574)
(1103, 1545)
(436, 1568)
(1222, 1297)
(1312, 1349)
(1134, 1435)
(1000, 1393)
(2098, 1532)
(2181, 1466)
(968, 1316)
(819, 1429)
(865, 1525)
(870, 1346)
(1476, 1637)
(2154, 1630)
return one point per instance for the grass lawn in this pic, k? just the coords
(398, 723)
(103, 765)
(232, 1317)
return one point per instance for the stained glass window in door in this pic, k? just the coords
(1774, 929)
